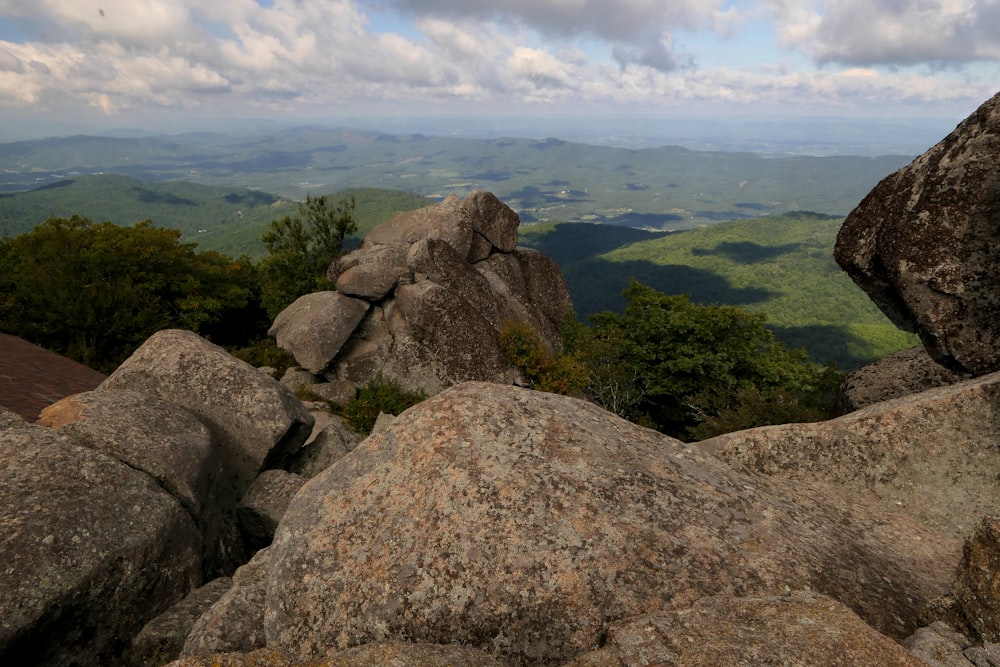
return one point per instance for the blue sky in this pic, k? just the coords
(145, 63)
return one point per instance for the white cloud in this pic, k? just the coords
(892, 32)
(237, 55)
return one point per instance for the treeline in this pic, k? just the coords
(95, 291)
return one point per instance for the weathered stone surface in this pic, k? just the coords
(442, 265)
(445, 221)
(329, 445)
(521, 523)
(256, 421)
(977, 588)
(92, 550)
(545, 285)
(939, 646)
(371, 273)
(797, 629)
(166, 442)
(297, 378)
(494, 221)
(932, 455)
(448, 341)
(162, 639)
(338, 392)
(387, 654)
(234, 624)
(901, 374)
(315, 326)
(924, 245)
(264, 504)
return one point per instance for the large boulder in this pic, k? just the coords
(165, 441)
(92, 549)
(524, 523)
(315, 326)
(932, 455)
(923, 245)
(440, 283)
(257, 422)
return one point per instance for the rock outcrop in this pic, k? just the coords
(92, 549)
(523, 524)
(923, 245)
(977, 587)
(932, 455)
(422, 300)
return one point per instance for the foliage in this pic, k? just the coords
(301, 248)
(377, 396)
(781, 265)
(265, 352)
(678, 364)
(94, 292)
(540, 368)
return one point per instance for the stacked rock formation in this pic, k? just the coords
(423, 299)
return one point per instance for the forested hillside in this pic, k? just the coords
(229, 220)
(781, 266)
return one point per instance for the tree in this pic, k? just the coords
(95, 292)
(692, 363)
(301, 249)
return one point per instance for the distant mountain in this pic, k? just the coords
(544, 180)
(782, 266)
(230, 220)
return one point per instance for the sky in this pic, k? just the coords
(153, 63)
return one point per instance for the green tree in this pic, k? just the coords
(693, 363)
(94, 292)
(300, 249)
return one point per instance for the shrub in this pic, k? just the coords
(378, 395)
(540, 369)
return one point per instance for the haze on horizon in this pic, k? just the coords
(173, 65)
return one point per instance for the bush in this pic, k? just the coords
(540, 369)
(377, 396)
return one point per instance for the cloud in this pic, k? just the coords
(297, 56)
(892, 32)
(639, 31)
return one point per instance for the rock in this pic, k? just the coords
(162, 639)
(923, 245)
(896, 375)
(234, 623)
(257, 422)
(386, 654)
(337, 392)
(492, 220)
(932, 455)
(371, 272)
(798, 629)
(166, 442)
(296, 379)
(939, 646)
(977, 588)
(522, 523)
(259, 658)
(315, 326)
(92, 550)
(445, 221)
(264, 504)
(330, 445)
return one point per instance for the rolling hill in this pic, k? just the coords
(781, 265)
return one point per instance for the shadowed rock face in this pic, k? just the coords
(925, 244)
(92, 549)
(524, 523)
